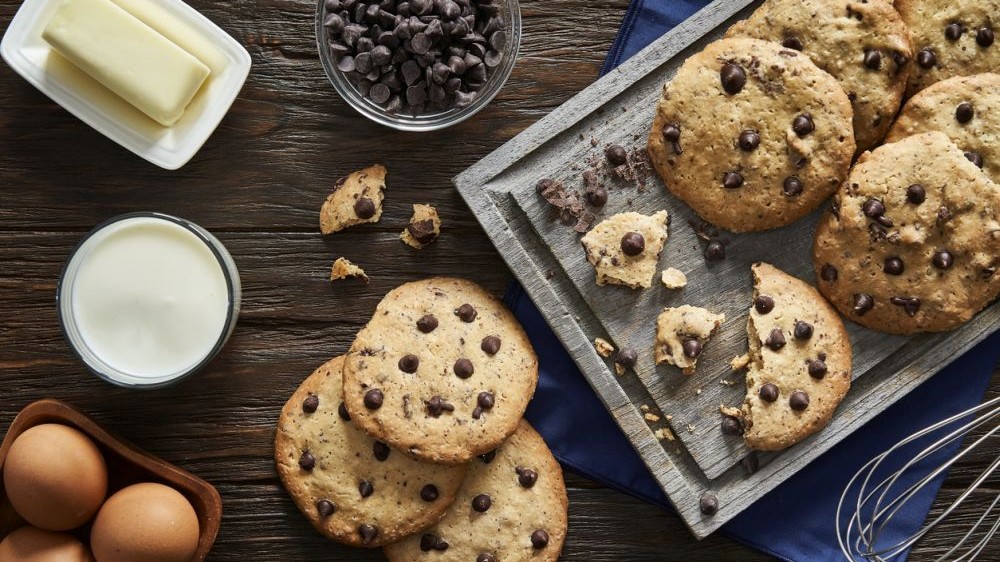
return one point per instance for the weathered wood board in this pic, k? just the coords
(547, 258)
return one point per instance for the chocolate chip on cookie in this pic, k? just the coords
(310, 404)
(733, 78)
(490, 345)
(768, 392)
(325, 508)
(798, 401)
(749, 140)
(409, 363)
(633, 244)
(803, 330)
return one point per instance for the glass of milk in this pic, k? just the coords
(146, 299)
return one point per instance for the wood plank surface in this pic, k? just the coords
(258, 184)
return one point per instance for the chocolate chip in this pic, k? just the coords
(310, 404)
(732, 180)
(307, 461)
(803, 124)
(775, 340)
(482, 503)
(380, 450)
(422, 231)
(715, 251)
(828, 273)
(427, 323)
(899, 59)
(863, 302)
(597, 197)
(466, 313)
(633, 244)
(975, 158)
(984, 37)
(916, 194)
(964, 112)
(803, 330)
(926, 58)
(708, 504)
(427, 542)
(873, 208)
(910, 304)
(463, 368)
(731, 425)
(490, 345)
(626, 357)
(768, 392)
(763, 304)
(616, 155)
(749, 140)
(342, 411)
(367, 532)
(364, 208)
(692, 348)
(437, 405)
(488, 456)
(873, 59)
(893, 266)
(733, 78)
(792, 43)
(539, 539)
(817, 368)
(366, 488)
(792, 186)
(409, 363)
(942, 259)
(325, 508)
(526, 477)
(429, 493)
(672, 132)
(798, 401)
(485, 400)
(373, 399)
(953, 31)
(486, 557)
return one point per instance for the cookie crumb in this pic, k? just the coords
(664, 434)
(673, 278)
(651, 417)
(690, 428)
(343, 269)
(424, 227)
(739, 362)
(698, 392)
(644, 408)
(727, 382)
(731, 411)
(356, 199)
(603, 347)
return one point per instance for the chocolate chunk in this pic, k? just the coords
(715, 251)
(817, 368)
(597, 197)
(926, 58)
(463, 368)
(526, 477)
(708, 504)
(953, 31)
(539, 539)
(910, 304)
(367, 532)
(984, 37)
(692, 348)
(429, 493)
(427, 323)
(863, 302)
(749, 140)
(792, 186)
(916, 194)
(828, 273)
(423, 230)
(427, 542)
(466, 312)
(942, 259)
(792, 43)
(409, 363)
(803, 330)
(488, 456)
(775, 340)
(672, 132)
(893, 266)
(975, 158)
(768, 392)
(310, 404)
(307, 461)
(490, 345)
(732, 180)
(486, 557)
(731, 426)
(342, 411)
(964, 112)
(364, 208)
(626, 357)
(873, 59)
(482, 503)
(633, 244)
(437, 405)
(380, 450)
(616, 155)
(373, 399)
(325, 508)
(733, 78)
(803, 124)
(366, 488)
(798, 401)
(873, 208)
(763, 304)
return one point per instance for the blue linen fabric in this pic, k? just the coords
(794, 522)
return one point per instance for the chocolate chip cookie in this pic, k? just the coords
(800, 361)
(967, 109)
(682, 333)
(356, 199)
(862, 43)
(442, 372)
(625, 248)
(424, 227)
(951, 39)
(352, 488)
(913, 244)
(512, 507)
(752, 135)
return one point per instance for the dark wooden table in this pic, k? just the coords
(258, 184)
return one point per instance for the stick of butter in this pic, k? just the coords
(127, 56)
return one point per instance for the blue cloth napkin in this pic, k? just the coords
(794, 522)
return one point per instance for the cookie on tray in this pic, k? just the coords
(862, 43)
(512, 507)
(356, 199)
(625, 248)
(967, 109)
(914, 243)
(752, 135)
(800, 361)
(681, 335)
(951, 38)
(352, 488)
(442, 372)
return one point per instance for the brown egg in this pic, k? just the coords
(55, 477)
(145, 522)
(31, 544)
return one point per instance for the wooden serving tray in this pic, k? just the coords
(126, 465)
(547, 258)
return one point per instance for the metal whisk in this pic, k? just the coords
(862, 533)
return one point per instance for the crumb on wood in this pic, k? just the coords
(727, 382)
(697, 392)
(739, 362)
(731, 411)
(342, 269)
(664, 434)
(690, 428)
(603, 347)
(673, 278)
(651, 417)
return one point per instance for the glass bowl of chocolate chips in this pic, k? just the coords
(418, 65)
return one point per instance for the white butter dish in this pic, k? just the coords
(168, 147)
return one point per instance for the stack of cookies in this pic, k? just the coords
(414, 440)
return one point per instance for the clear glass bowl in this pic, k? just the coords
(432, 120)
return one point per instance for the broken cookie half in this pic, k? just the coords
(681, 335)
(356, 199)
(800, 361)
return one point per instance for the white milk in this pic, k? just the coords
(149, 298)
